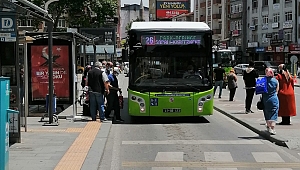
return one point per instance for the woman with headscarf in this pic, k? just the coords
(286, 95)
(232, 85)
(270, 101)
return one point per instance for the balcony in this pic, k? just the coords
(215, 2)
(216, 16)
(216, 31)
(203, 5)
(202, 19)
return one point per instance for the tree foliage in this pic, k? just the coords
(128, 26)
(80, 13)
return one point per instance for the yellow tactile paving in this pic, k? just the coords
(76, 154)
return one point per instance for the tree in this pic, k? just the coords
(80, 13)
(128, 26)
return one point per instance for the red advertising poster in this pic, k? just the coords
(169, 13)
(39, 72)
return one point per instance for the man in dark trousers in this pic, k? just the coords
(249, 78)
(219, 74)
(113, 98)
(98, 83)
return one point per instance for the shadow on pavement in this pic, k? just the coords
(251, 137)
(156, 120)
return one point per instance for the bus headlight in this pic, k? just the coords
(140, 101)
(202, 101)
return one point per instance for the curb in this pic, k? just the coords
(271, 138)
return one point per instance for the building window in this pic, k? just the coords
(288, 16)
(265, 19)
(220, 9)
(220, 24)
(288, 36)
(276, 1)
(26, 22)
(61, 23)
(209, 23)
(231, 9)
(254, 38)
(276, 17)
(209, 11)
(238, 25)
(240, 8)
(275, 35)
(254, 4)
(265, 2)
(254, 21)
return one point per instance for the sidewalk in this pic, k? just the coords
(286, 135)
(69, 146)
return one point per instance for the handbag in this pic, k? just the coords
(261, 86)
(121, 101)
(260, 104)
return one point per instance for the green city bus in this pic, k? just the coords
(170, 69)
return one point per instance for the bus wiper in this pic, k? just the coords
(189, 85)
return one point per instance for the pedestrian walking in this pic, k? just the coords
(232, 84)
(84, 76)
(249, 77)
(270, 101)
(113, 98)
(98, 83)
(286, 95)
(219, 74)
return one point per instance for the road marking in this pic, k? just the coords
(169, 157)
(76, 154)
(267, 157)
(218, 157)
(194, 142)
(251, 165)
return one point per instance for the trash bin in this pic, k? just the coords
(54, 103)
(4, 122)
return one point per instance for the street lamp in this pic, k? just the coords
(94, 46)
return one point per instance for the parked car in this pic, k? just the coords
(261, 66)
(240, 68)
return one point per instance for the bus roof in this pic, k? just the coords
(169, 26)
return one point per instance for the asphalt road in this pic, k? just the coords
(208, 143)
(241, 95)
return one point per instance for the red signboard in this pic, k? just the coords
(294, 47)
(169, 13)
(39, 71)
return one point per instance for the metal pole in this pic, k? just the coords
(74, 79)
(50, 61)
(84, 54)
(26, 103)
(115, 41)
(94, 60)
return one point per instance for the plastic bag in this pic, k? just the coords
(261, 86)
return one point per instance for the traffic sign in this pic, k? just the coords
(294, 59)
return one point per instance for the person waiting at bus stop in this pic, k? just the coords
(113, 98)
(219, 74)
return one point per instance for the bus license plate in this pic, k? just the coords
(171, 110)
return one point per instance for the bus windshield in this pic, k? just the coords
(171, 65)
(223, 57)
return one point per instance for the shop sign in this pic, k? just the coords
(260, 50)
(275, 25)
(294, 48)
(269, 49)
(252, 44)
(276, 41)
(287, 25)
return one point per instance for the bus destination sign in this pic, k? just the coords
(171, 39)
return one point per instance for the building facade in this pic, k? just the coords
(238, 28)
(130, 13)
(272, 29)
(184, 17)
(212, 12)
